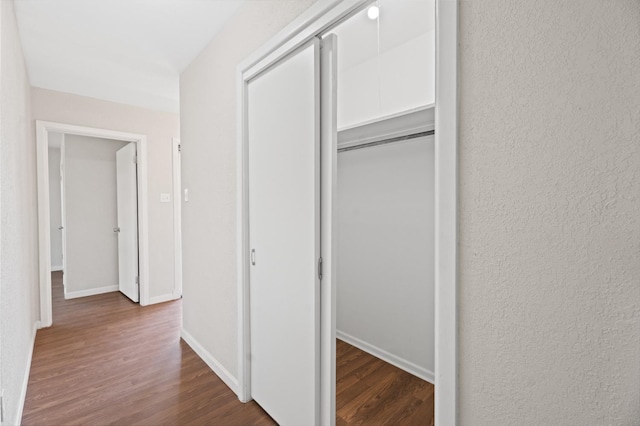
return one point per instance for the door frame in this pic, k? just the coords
(176, 164)
(43, 128)
(320, 16)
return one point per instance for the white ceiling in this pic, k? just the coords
(133, 51)
(127, 51)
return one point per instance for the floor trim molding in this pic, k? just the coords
(161, 299)
(392, 359)
(56, 268)
(25, 380)
(90, 292)
(211, 361)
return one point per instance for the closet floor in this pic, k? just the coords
(372, 392)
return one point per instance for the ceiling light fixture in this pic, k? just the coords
(373, 12)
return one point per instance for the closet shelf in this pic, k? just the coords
(419, 121)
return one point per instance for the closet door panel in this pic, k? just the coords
(283, 132)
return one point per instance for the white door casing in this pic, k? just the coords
(284, 216)
(43, 128)
(127, 228)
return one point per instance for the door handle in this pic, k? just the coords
(60, 228)
(116, 229)
(253, 257)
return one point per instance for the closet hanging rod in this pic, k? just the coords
(386, 141)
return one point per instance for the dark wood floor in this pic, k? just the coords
(370, 391)
(107, 360)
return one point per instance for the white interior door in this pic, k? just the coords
(127, 229)
(284, 203)
(63, 217)
(177, 217)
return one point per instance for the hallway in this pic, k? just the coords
(106, 360)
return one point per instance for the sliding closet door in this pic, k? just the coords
(329, 171)
(284, 202)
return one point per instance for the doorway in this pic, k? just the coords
(127, 154)
(284, 49)
(385, 214)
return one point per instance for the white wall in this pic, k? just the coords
(386, 66)
(406, 81)
(55, 214)
(549, 225)
(159, 127)
(91, 215)
(18, 224)
(208, 137)
(386, 252)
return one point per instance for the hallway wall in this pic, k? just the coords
(549, 214)
(159, 127)
(208, 106)
(19, 300)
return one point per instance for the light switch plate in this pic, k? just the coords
(165, 197)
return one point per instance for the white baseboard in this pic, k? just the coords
(25, 380)
(209, 359)
(90, 292)
(392, 359)
(161, 299)
(56, 268)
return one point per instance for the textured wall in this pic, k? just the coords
(549, 212)
(19, 225)
(159, 127)
(208, 137)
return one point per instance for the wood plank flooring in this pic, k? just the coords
(370, 391)
(107, 360)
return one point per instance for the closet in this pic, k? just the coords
(385, 208)
(337, 220)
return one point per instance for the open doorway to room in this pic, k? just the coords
(92, 214)
(93, 210)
